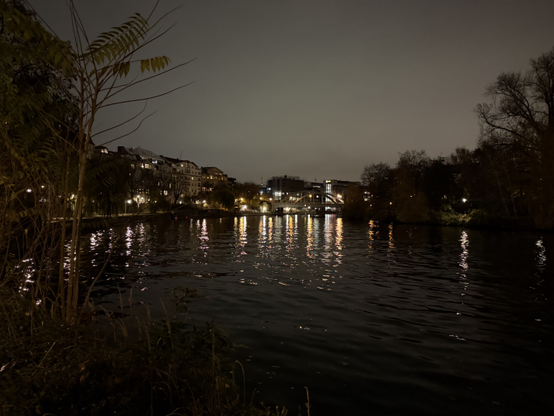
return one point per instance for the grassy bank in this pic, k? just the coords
(124, 365)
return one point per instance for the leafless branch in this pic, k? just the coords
(148, 98)
(123, 123)
(131, 132)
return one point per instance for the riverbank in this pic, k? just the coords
(114, 363)
(476, 219)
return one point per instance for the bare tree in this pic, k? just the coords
(520, 116)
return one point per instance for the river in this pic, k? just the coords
(375, 319)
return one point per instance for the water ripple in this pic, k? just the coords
(375, 318)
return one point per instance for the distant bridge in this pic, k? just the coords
(310, 200)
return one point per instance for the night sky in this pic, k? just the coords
(318, 88)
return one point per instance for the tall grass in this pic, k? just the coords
(127, 365)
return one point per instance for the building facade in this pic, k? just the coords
(186, 179)
(280, 188)
(212, 177)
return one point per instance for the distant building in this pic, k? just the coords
(151, 174)
(337, 187)
(211, 177)
(313, 186)
(283, 187)
(186, 177)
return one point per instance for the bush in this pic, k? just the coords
(447, 216)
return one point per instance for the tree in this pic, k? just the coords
(438, 184)
(97, 72)
(138, 180)
(378, 179)
(177, 186)
(520, 117)
(37, 138)
(247, 193)
(354, 204)
(409, 199)
(106, 189)
(222, 197)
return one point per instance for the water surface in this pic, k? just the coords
(374, 318)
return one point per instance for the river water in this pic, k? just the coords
(375, 319)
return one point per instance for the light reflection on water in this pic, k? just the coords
(541, 254)
(391, 238)
(348, 308)
(310, 238)
(205, 239)
(464, 261)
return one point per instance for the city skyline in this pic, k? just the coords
(318, 89)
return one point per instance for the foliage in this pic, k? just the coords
(409, 199)
(221, 197)
(50, 94)
(446, 215)
(378, 179)
(248, 191)
(37, 147)
(354, 205)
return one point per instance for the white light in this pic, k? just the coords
(29, 190)
(464, 200)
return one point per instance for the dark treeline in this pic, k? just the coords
(508, 179)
